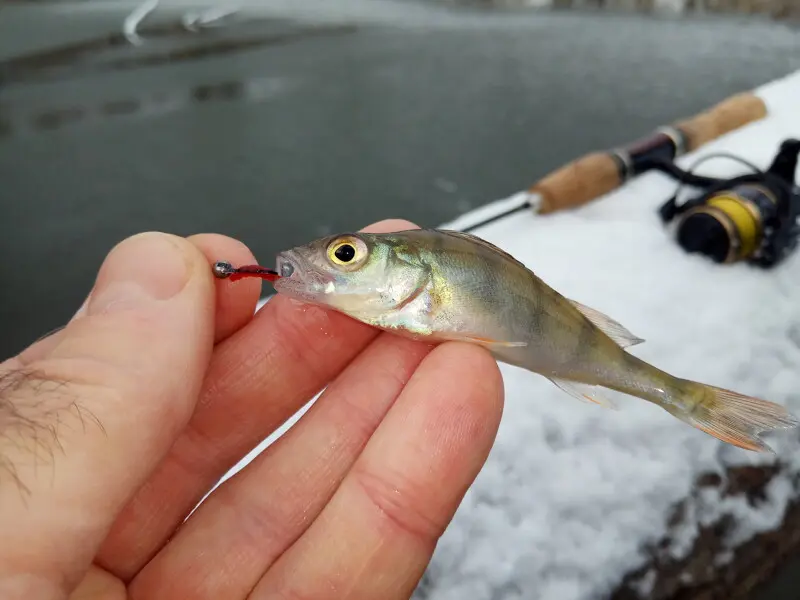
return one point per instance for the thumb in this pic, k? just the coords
(84, 422)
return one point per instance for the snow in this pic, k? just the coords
(571, 492)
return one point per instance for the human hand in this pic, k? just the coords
(114, 428)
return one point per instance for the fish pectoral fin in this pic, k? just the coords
(489, 343)
(609, 326)
(584, 392)
(484, 341)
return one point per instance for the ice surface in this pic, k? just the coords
(572, 492)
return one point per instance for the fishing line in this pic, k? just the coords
(688, 177)
(528, 204)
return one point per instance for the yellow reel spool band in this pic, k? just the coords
(744, 218)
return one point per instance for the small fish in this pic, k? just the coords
(440, 285)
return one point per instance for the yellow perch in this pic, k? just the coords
(441, 285)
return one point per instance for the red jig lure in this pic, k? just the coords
(225, 270)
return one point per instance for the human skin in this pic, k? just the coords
(115, 427)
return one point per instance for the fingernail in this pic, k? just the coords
(144, 268)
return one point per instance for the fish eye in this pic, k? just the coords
(347, 251)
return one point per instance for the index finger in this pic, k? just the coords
(257, 379)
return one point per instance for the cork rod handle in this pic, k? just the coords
(598, 173)
(728, 115)
(577, 182)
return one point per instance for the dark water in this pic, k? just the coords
(307, 132)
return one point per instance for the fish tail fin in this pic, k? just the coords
(729, 416)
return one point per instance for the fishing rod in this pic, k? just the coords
(599, 173)
(754, 217)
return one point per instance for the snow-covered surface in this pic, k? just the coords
(571, 492)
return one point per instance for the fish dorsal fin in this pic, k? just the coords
(584, 392)
(481, 242)
(609, 326)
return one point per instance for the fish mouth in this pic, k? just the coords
(298, 273)
(285, 266)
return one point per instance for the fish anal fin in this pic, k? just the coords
(584, 392)
(609, 326)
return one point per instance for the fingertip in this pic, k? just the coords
(390, 226)
(235, 301)
(218, 241)
(151, 285)
(149, 266)
(155, 255)
(164, 245)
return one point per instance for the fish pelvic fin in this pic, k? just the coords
(729, 416)
(584, 392)
(609, 326)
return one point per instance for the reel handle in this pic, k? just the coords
(599, 173)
